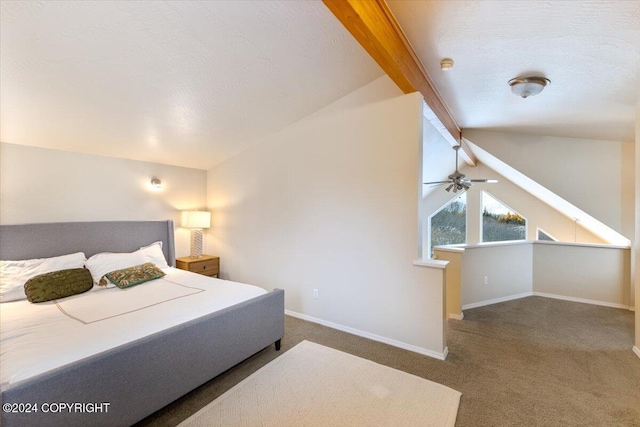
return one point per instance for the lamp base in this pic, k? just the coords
(196, 243)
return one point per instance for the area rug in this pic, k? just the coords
(314, 385)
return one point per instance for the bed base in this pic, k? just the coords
(138, 378)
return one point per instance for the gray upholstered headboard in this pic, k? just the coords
(26, 241)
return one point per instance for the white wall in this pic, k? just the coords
(636, 244)
(43, 185)
(508, 268)
(537, 213)
(594, 175)
(582, 272)
(331, 203)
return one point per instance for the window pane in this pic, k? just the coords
(499, 222)
(449, 226)
(544, 236)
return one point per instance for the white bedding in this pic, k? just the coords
(36, 338)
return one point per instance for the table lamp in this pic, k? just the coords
(196, 221)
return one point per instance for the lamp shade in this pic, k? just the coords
(196, 219)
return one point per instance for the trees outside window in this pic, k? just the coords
(499, 222)
(448, 226)
(542, 235)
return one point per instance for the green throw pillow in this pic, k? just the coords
(132, 276)
(58, 284)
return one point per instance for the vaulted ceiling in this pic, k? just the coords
(590, 50)
(194, 83)
(182, 83)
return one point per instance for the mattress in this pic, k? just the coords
(37, 338)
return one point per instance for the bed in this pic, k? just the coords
(166, 350)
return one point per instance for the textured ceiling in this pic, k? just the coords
(182, 83)
(590, 50)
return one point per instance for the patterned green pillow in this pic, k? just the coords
(132, 276)
(58, 284)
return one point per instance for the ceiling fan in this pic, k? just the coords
(457, 180)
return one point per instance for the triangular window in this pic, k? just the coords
(500, 222)
(448, 226)
(544, 236)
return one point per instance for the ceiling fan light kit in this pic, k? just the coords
(457, 180)
(528, 86)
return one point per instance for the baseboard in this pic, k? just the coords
(456, 316)
(496, 300)
(636, 350)
(374, 337)
(545, 295)
(582, 300)
(445, 353)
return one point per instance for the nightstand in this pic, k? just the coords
(207, 265)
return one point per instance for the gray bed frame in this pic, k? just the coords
(140, 377)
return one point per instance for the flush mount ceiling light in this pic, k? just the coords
(528, 86)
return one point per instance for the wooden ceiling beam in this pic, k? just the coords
(373, 25)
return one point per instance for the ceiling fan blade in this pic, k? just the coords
(488, 181)
(436, 182)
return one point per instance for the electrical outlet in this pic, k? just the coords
(315, 294)
(486, 280)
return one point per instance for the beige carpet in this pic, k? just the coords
(530, 362)
(314, 385)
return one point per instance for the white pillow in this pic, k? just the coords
(14, 274)
(106, 262)
(153, 253)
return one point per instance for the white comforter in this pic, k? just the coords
(36, 338)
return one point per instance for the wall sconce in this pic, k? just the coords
(156, 184)
(196, 221)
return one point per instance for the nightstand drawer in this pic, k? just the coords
(207, 266)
